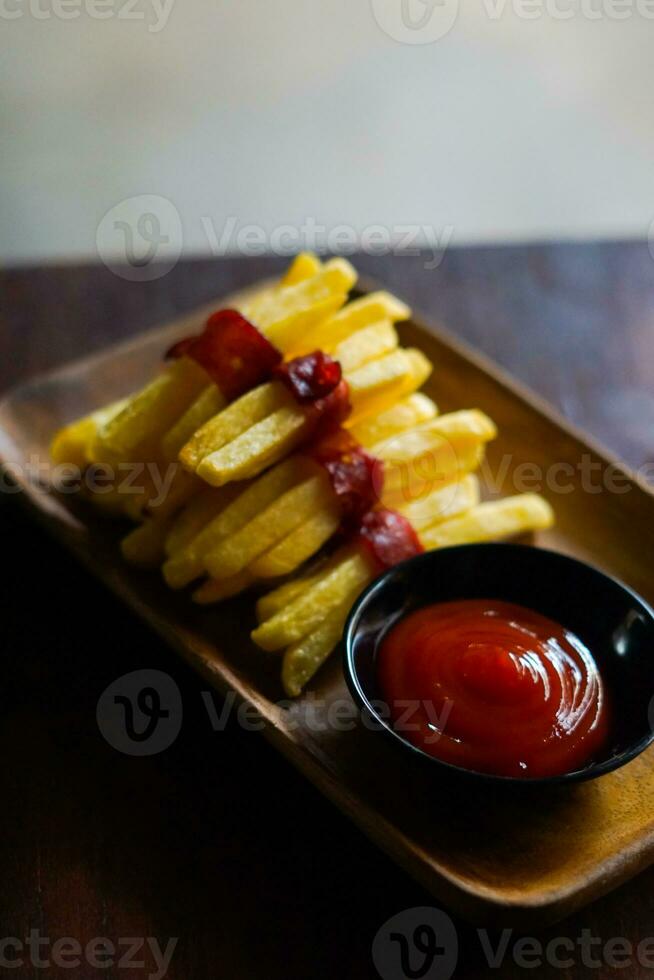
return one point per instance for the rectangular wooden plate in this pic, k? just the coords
(492, 856)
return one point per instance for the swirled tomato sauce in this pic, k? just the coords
(493, 687)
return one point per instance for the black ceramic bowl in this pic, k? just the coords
(615, 624)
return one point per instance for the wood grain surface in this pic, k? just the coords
(100, 845)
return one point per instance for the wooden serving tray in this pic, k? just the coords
(495, 856)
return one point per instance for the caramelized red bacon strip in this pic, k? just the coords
(316, 382)
(310, 377)
(354, 474)
(389, 538)
(235, 355)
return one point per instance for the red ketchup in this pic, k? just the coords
(493, 687)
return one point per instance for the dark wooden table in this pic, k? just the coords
(217, 841)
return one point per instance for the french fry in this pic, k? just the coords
(303, 659)
(296, 308)
(272, 602)
(209, 402)
(435, 469)
(454, 428)
(432, 455)
(150, 412)
(495, 519)
(376, 385)
(145, 544)
(197, 513)
(72, 443)
(188, 563)
(179, 491)
(411, 411)
(354, 316)
(300, 544)
(305, 613)
(234, 420)
(291, 509)
(214, 590)
(305, 265)
(440, 505)
(365, 345)
(263, 444)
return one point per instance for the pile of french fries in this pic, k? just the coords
(248, 502)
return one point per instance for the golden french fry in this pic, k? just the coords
(375, 386)
(270, 526)
(300, 544)
(216, 591)
(426, 458)
(436, 468)
(293, 310)
(303, 659)
(263, 444)
(283, 595)
(209, 402)
(439, 505)
(150, 412)
(353, 317)
(496, 519)
(177, 491)
(197, 513)
(72, 443)
(365, 345)
(421, 368)
(304, 266)
(145, 544)
(305, 613)
(270, 603)
(232, 421)
(188, 563)
(411, 411)
(453, 428)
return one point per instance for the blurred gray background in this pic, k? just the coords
(461, 122)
